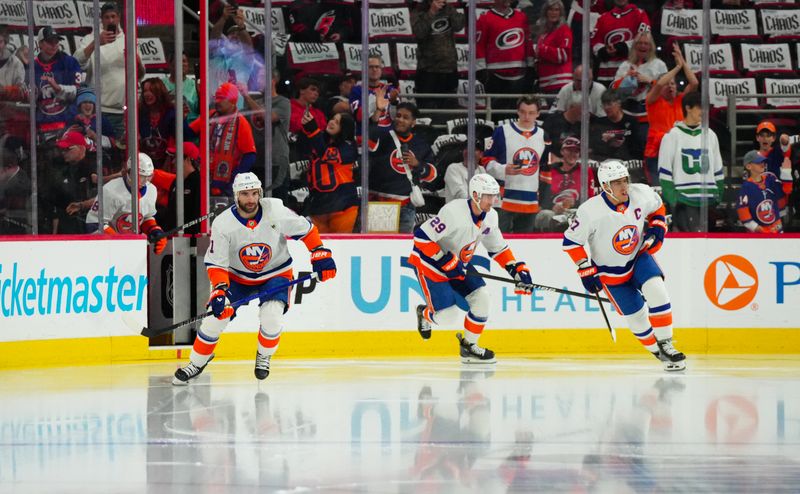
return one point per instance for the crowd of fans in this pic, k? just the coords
(645, 110)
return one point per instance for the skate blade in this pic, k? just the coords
(178, 382)
(474, 361)
(675, 366)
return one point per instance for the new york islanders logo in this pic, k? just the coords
(396, 162)
(255, 256)
(122, 223)
(528, 158)
(626, 240)
(731, 282)
(766, 212)
(467, 252)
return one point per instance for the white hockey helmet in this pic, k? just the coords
(146, 168)
(246, 181)
(483, 183)
(611, 170)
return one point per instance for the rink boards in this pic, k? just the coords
(70, 298)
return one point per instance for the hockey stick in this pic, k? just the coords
(475, 273)
(150, 332)
(605, 316)
(195, 221)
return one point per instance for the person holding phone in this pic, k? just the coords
(307, 95)
(112, 61)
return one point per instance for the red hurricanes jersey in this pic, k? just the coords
(503, 43)
(618, 25)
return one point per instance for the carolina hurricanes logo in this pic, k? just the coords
(621, 35)
(510, 39)
(765, 212)
(440, 25)
(626, 240)
(255, 256)
(123, 224)
(467, 252)
(396, 161)
(529, 159)
(325, 22)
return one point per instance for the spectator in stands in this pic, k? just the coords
(553, 48)
(65, 187)
(456, 178)
(340, 103)
(333, 200)
(86, 120)
(434, 24)
(685, 182)
(156, 120)
(230, 139)
(57, 76)
(514, 159)
(112, 66)
(391, 153)
(15, 188)
(315, 21)
(561, 187)
(763, 196)
(281, 112)
(12, 72)
(167, 215)
(637, 74)
(775, 151)
(382, 119)
(613, 35)
(562, 124)
(665, 107)
(565, 94)
(616, 135)
(13, 84)
(504, 52)
(191, 99)
(231, 56)
(575, 21)
(307, 96)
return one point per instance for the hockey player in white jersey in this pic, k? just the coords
(117, 205)
(623, 227)
(443, 248)
(248, 255)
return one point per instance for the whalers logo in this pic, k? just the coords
(626, 240)
(731, 282)
(255, 256)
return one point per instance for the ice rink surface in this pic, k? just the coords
(526, 425)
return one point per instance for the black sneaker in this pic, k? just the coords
(191, 371)
(262, 366)
(471, 353)
(423, 325)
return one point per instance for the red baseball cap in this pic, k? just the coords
(189, 151)
(766, 125)
(227, 91)
(72, 138)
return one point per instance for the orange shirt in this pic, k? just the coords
(662, 116)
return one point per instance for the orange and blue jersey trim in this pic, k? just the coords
(520, 201)
(575, 250)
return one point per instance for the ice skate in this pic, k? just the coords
(673, 359)
(471, 353)
(262, 366)
(423, 325)
(191, 371)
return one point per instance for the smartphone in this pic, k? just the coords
(112, 28)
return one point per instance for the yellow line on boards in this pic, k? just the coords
(366, 344)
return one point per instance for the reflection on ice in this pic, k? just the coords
(405, 427)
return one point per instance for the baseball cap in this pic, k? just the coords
(190, 151)
(753, 157)
(227, 91)
(47, 33)
(72, 138)
(571, 142)
(766, 125)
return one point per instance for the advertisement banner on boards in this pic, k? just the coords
(43, 297)
(713, 283)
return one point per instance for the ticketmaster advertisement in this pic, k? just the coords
(732, 282)
(71, 289)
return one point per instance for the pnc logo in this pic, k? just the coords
(626, 240)
(255, 256)
(731, 282)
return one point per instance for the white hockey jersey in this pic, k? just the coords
(613, 235)
(253, 251)
(455, 229)
(456, 181)
(514, 147)
(117, 206)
